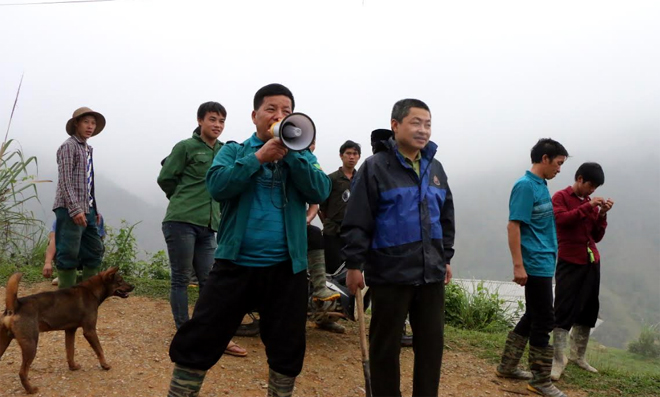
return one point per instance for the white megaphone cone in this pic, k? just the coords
(296, 131)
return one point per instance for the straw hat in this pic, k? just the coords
(100, 120)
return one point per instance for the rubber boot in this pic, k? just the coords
(540, 362)
(513, 351)
(330, 325)
(316, 265)
(559, 361)
(280, 385)
(579, 340)
(67, 278)
(186, 382)
(89, 272)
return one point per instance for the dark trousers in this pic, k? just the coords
(390, 306)
(333, 255)
(231, 291)
(539, 319)
(314, 238)
(77, 246)
(576, 294)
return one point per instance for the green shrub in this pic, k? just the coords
(480, 310)
(121, 250)
(648, 343)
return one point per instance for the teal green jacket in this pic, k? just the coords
(182, 178)
(231, 181)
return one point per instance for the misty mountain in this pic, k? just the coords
(115, 204)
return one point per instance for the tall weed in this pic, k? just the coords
(480, 310)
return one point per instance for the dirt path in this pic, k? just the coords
(136, 332)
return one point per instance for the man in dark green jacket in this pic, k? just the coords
(261, 259)
(192, 216)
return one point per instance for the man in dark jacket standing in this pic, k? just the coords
(399, 227)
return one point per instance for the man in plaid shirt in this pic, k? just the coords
(76, 230)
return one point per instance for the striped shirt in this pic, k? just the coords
(75, 177)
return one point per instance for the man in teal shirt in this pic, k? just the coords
(533, 245)
(261, 258)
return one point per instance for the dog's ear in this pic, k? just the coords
(110, 273)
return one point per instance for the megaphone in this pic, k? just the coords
(297, 131)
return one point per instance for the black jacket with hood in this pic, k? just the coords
(399, 226)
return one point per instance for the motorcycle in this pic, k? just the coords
(342, 308)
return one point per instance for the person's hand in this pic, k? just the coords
(354, 280)
(98, 219)
(597, 201)
(606, 207)
(47, 271)
(310, 219)
(271, 151)
(519, 275)
(448, 274)
(80, 219)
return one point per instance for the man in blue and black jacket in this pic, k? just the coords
(399, 228)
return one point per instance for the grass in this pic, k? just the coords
(621, 373)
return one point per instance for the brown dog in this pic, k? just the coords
(65, 309)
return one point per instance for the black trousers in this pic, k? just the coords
(576, 294)
(333, 255)
(390, 306)
(314, 238)
(539, 319)
(231, 291)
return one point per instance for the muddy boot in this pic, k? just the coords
(579, 340)
(280, 385)
(89, 272)
(186, 382)
(513, 351)
(332, 326)
(67, 278)
(559, 361)
(316, 265)
(540, 361)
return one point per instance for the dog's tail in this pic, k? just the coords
(11, 301)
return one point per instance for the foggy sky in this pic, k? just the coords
(496, 75)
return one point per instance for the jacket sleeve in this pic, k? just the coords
(358, 226)
(598, 232)
(307, 176)
(172, 169)
(323, 208)
(448, 226)
(230, 175)
(66, 159)
(566, 217)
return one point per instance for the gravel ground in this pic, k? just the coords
(136, 332)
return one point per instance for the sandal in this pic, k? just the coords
(235, 350)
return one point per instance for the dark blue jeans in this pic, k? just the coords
(77, 245)
(190, 248)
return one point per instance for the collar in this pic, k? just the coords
(341, 172)
(255, 141)
(535, 178)
(198, 137)
(428, 152)
(80, 141)
(570, 191)
(406, 159)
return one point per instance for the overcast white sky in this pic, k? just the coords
(497, 74)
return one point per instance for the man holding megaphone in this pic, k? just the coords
(263, 186)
